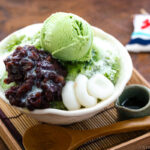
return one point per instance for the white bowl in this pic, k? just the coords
(55, 116)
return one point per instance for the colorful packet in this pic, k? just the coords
(140, 38)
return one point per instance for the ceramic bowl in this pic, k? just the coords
(138, 104)
(55, 116)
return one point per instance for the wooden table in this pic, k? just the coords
(113, 16)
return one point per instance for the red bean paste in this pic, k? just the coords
(39, 78)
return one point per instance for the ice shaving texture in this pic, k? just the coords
(67, 37)
(104, 60)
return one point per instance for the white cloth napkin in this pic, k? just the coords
(140, 38)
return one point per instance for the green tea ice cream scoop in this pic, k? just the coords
(67, 37)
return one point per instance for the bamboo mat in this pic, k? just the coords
(13, 124)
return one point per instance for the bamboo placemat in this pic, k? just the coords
(13, 124)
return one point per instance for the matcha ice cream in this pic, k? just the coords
(67, 37)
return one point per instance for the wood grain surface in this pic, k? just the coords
(2, 145)
(113, 16)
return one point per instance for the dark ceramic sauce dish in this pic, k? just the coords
(134, 102)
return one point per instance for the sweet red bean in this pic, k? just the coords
(39, 78)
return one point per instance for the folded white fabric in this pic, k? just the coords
(140, 38)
